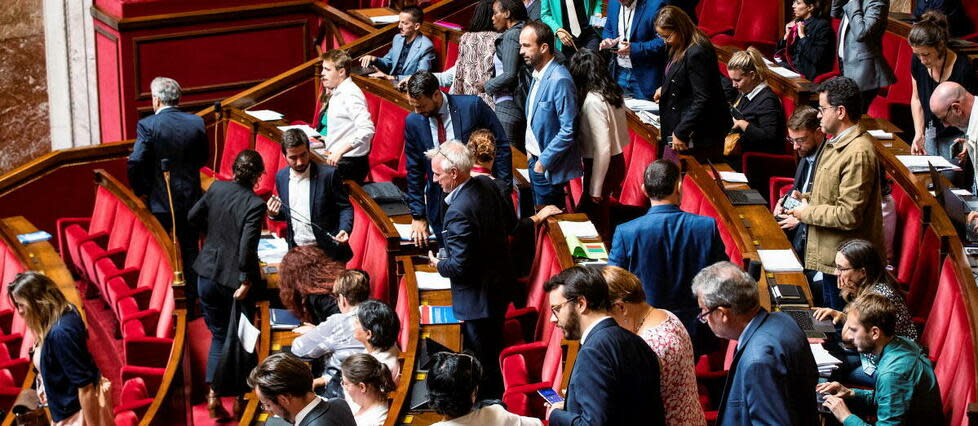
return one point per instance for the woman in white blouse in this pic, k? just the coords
(603, 131)
(366, 382)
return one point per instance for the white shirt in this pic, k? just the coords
(451, 195)
(532, 145)
(162, 108)
(625, 17)
(843, 27)
(299, 209)
(741, 341)
(757, 89)
(971, 134)
(306, 410)
(349, 120)
(494, 415)
(446, 120)
(587, 331)
(374, 416)
(389, 358)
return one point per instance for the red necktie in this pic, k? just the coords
(441, 129)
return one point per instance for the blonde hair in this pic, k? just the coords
(482, 146)
(623, 285)
(44, 304)
(750, 60)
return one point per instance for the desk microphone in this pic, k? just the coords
(178, 267)
(305, 221)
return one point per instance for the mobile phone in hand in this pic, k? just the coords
(550, 396)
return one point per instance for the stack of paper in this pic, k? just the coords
(404, 231)
(384, 19)
(578, 229)
(824, 360)
(641, 105)
(431, 281)
(648, 118)
(525, 173)
(919, 163)
(309, 131)
(779, 261)
(265, 115)
(733, 177)
(879, 134)
(272, 250)
(784, 72)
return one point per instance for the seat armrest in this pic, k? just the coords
(147, 318)
(128, 275)
(829, 75)
(13, 342)
(62, 223)
(18, 368)
(141, 295)
(147, 351)
(717, 31)
(116, 255)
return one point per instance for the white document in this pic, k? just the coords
(822, 357)
(247, 334)
(309, 131)
(879, 134)
(918, 163)
(265, 115)
(779, 261)
(525, 173)
(385, 19)
(648, 118)
(597, 21)
(404, 231)
(641, 105)
(733, 177)
(432, 281)
(784, 72)
(578, 229)
(961, 192)
(272, 250)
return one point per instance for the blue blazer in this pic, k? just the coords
(554, 124)
(772, 377)
(648, 51)
(468, 113)
(180, 138)
(666, 248)
(615, 381)
(329, 207)
(420, 57)
(476, 241)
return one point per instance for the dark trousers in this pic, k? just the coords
(868, 97)
(830, 292)
(354, 168)
(545, 193)
(215, 302)
(513, 119)
(187, 236)
(484, 338)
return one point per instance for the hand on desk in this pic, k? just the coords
(544, 213)
(367, 60)
(829, 313)
(419, 232)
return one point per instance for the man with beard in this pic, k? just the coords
(410, 51)
(615, 380)
(806, 138)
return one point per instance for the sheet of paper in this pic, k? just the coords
(384, 19)
(247, 334)
(309, 131)
(641, 105)
(432, 281)
(961, 192)
(784, 72)
(779, 261)
(648, 118)
(265, 115)
(879, 134)
(822, 356)
(272, 250)
(578, 229)
(918, 163)
(733, 177)
(525, 173)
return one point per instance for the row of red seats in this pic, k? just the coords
(16, 338)
(122, 252)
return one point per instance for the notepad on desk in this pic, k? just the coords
(265, 115)
(283, 319)
(879, 134)
(921, 163)
(733, 177)
(33, 237)
(779, 261)
(431, 281)
(384, 19)
(578, 229)
(581, 250)
(431, 314)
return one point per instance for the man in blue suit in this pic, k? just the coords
(438, 118)
(476, 244)
(551, 113)
(615, 380)
(316, 207)
(773, 374)
(410, 51)
(641, 55)
(667, 247)
(174, 141)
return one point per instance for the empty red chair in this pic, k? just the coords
(638, 154)
(909, 228)
(924, 279)
(237, 138)
(758, 25)
(370, 253)
(717, 16)
(73, 231)
(532, 322)
(971, 9)
(692, 196)
(528, 368)
(897, 95)
(388, 143)
(777, 187)
(115, 247)
(760, 168)
(271, 154)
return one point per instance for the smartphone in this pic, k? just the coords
(550, 396)
(790, 203)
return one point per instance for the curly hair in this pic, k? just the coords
(306, 270)
(482, 146)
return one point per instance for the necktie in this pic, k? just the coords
(575, 26)
(441, 129)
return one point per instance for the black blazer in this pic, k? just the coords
(232, 216)
(692, 105)
(767, 123)
(329, 208)
(178, 137)
(615, 381)
(476, 228)
(813, 55)
(334, 412)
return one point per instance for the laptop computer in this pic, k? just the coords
(737, 197)
(957, 206)
(805, 318)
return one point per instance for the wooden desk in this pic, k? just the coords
(43, 258)
(365, 14)
(448, 335)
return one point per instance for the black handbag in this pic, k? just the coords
(28, 411)
(230, 377)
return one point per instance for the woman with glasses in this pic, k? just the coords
(453, 384)
(306, 277)
(366, 382)
(667, 337)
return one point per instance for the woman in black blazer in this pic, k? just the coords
(693, 110)
(761, 123)
(227, 267)
(808, 46)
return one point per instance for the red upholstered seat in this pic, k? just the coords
(925, 276)
(758, 25)
(73, 231)
(527, 368)
(237, 138)
(971, 9)
(118, 239)
(387, 148)
(134, 399)
(835, 64)
(637, 155)
(909, 228)
(402, 310)
(369, 248)
(692, 196)
(271, 154)
(717, 16)
(532, 322)
(898, 54)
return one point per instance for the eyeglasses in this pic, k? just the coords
(556, 308)
(843, 268)
(703, 315)
(795, 141)
(822, 109)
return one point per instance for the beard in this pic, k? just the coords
(572, 328)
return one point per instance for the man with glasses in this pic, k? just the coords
(615, 380)
(845, 200)
(773, 371)
(954, 106)
(283, 384)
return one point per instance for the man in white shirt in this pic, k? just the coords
(283, 384)
(954, 106)
(345, 123)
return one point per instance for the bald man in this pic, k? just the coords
(954, 106)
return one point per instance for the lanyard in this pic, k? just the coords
(626, 20)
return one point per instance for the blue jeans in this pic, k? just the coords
(544, 193)
(626, 79)
(215, 303)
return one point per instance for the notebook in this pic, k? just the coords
(283, 319)
(432, 315)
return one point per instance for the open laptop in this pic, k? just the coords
(957, 206)
(737, 197)
(805, 318)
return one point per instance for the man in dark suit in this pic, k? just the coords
(640, 57)
(438, 118)
(615, 380)
(313, 200)
(174, 141)
(773, 371)
(410, 51)
(477, 222)
(551, 110)
(283, 384)
(667, 247)
(806, 137)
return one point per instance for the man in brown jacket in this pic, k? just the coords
(845, 199)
